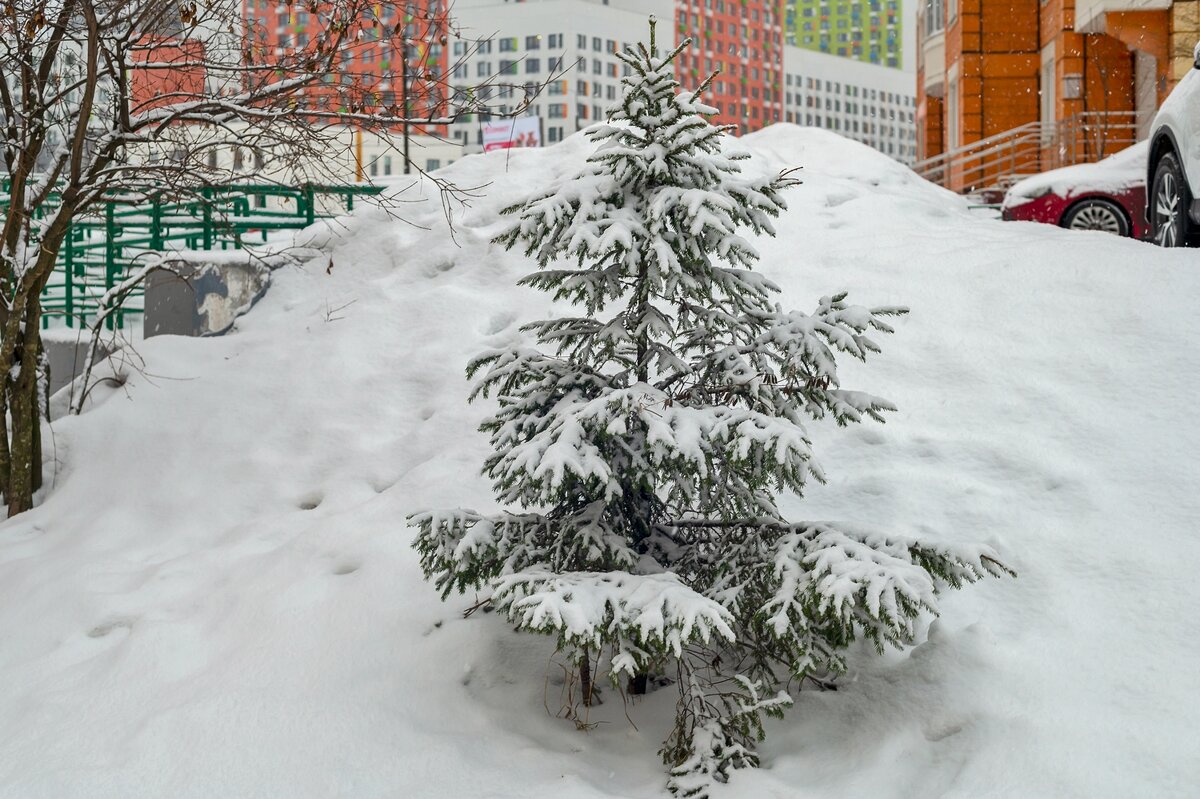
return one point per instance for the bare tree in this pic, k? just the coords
(92, 90)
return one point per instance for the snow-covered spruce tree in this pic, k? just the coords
(645, 437)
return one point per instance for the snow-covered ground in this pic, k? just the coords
(217, 597)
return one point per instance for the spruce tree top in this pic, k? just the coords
(658, 202)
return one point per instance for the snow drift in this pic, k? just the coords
(217, 596)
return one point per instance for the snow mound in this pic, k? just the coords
(217, 596)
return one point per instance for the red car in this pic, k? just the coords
(1108, 195)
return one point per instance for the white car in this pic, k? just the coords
(1173, 177)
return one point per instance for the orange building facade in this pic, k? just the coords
(1013, 87)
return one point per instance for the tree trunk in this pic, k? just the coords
(25, 463)
(638, 683)
(585, 676)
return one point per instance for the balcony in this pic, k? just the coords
(931, 46)
(933, 56)
(1089, 14)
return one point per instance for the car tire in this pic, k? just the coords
(1097, 214)
(1169, 203)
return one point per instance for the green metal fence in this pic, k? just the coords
(106, 245)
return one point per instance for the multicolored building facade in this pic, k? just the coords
(865, 30)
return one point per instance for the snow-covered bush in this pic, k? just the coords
(646, 437)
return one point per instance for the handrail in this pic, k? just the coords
(957, 151)
(1030, 148)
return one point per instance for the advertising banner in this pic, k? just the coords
(517, 132)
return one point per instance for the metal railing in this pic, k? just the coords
(1000, 160)
(106, 245)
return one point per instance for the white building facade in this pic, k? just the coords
(519, 46)
(871, 104)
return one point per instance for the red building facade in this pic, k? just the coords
(743, 40)
(372, 73)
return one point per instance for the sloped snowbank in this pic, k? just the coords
(217, 597)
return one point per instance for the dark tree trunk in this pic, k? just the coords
(25, 465)
(585, 676)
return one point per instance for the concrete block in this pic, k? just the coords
(202, 298)
(66, 353)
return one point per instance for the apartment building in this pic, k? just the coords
(573, 45)
(372, 72)
(864, 30)
(871, 104)
(743, 40)
(1007, 87)
(503, 52)
(562, 54)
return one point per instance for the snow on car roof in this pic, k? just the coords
(1117, 173)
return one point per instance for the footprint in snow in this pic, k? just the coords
(379, 486)
(940, 731)
(101, 630)
(498, 323)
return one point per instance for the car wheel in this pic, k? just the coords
(1097, 214)
(1169, 204)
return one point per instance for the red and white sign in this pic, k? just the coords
(516, 132)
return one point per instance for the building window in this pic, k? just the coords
(533, 42)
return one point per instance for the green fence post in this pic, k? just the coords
(156, 233)
(310, 207)
(206, 198)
